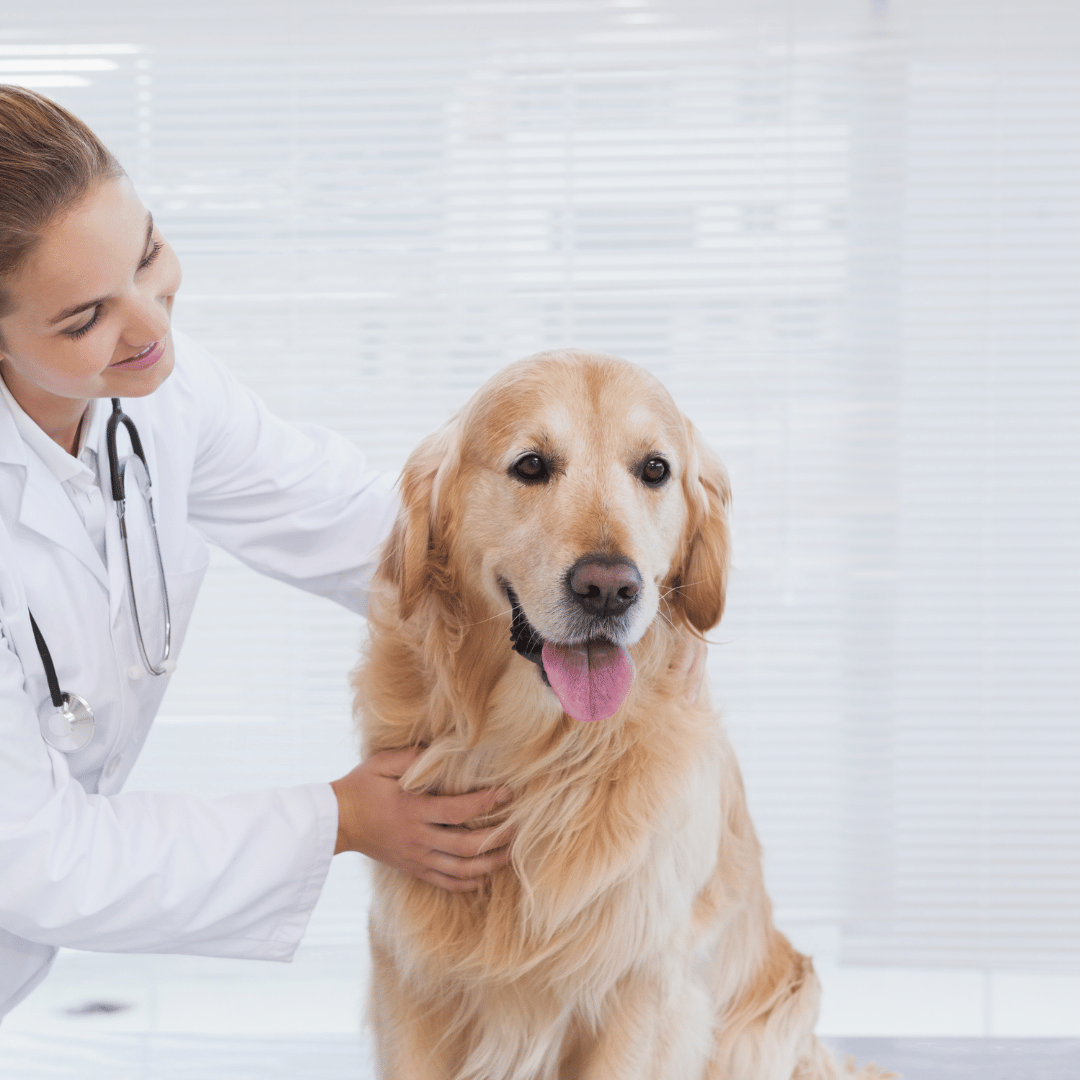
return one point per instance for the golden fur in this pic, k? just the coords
(631, 937)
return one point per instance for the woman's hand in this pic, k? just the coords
(419, 834)
(687, 666)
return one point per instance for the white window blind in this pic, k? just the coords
(845, 235)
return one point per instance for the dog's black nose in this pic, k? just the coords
(605, 586)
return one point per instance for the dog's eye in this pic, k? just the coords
(531, 468)
(655, 471)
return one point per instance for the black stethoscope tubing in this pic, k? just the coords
(70, 725)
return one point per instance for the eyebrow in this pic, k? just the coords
(68, 312)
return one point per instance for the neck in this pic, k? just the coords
(58, 417)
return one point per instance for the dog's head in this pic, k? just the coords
(571, 488)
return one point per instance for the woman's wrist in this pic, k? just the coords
(340, 791)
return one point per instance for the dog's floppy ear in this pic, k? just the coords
(699, 581)
(411, 560)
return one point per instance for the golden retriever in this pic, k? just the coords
(560, 537)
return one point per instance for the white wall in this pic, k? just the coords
(844, 234)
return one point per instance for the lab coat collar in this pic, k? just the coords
(44, 505)
(12, 448)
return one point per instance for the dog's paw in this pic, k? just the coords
(867, 1072)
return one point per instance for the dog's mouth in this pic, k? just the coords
(524, 637)
(591, 680)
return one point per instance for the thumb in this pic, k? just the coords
(394, 763)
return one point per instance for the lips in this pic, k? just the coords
(145, 358)
(524, 639)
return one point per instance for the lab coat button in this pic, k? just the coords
(136, 672)
(110, 769)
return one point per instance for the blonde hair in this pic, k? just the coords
(49, 159)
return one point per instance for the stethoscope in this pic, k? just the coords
(67, 721)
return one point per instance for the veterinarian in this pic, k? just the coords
(86, 291)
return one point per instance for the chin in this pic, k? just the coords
(134, 384)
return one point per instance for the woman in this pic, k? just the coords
(86, 291)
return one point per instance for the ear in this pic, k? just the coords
(699, 582)
(411, 560)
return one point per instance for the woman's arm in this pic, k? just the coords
(294, 502)
(141, 872)
(298, 504)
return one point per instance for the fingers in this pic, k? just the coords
(687, 666)
(682, 657)
(457, 874)
(450, 884)
(418, 833)
(687, 655)
(465, 869)
(466, 843)
(695, 674)
(457, 809)
(394, 763)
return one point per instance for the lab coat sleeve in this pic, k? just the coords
(140, 872)
(294, 502)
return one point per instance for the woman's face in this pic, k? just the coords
(91, 308)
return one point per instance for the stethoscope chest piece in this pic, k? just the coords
(66, 720)
(68, 726)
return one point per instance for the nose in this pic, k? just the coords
(148, 320)
(604, 586)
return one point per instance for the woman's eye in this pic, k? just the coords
(151, 256)
(531, 468)
(87, 326)
(655, 471)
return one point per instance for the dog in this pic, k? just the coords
(560, 539)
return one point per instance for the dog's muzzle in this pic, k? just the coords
(591, 679)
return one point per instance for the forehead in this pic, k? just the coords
(571, 401)
(83, 252)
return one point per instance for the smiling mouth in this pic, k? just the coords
(146, 358)
(524, 637)
(591, 679)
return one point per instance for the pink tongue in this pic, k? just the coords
(591, 681)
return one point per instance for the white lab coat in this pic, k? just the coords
(82, 865)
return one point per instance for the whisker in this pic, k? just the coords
(683, 585)
(492, 618)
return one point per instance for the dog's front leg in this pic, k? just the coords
(409, 1035)
(653, 1029)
